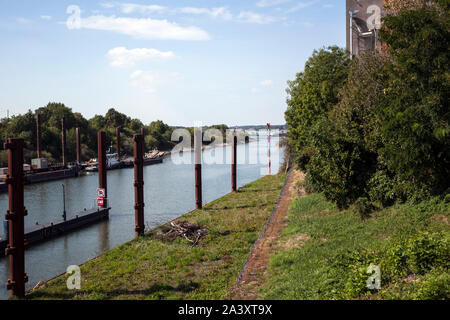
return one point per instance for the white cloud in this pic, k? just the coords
(150, 29)
(133, 7)
(307, 24)
(221, 12)
(252, 17)
(302, 5)
(266, 83)
(46, 17)
(129, 8)
(23, 20)
(122, 57)
(150, 81)
(270, 3)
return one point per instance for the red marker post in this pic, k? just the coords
(270, 164)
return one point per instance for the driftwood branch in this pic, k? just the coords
(183, 229)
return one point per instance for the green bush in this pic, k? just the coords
(386, 135)
(419, 254)
(381, 188)
(312, 94)
(414, 115)
(339, 167)
(426, 256)
(428, 250)
(447, 198)
(364, 207)
(435, 285)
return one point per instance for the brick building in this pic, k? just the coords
(363, 23)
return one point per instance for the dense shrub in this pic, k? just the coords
(423, 258)
(386, 135)
(415, 115)
(364, 207)
(338, 167)
(312, 94)
(344, 143)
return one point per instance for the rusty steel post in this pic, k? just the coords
(15, 215)
(102, 181)
(38, 136)
(198, 167)
(78, 146)
(138, 141)
(118, 142)
(234, 163)
(63, 138)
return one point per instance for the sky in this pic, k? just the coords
(182, 62)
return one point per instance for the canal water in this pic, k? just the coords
(168, 194)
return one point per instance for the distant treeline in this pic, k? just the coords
(157, 133)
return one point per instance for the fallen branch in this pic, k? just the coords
(183, 229)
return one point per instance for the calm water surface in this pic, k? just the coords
(168, 192)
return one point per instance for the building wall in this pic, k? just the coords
(366, 20)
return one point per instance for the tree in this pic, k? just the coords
(397, 6)
(116, 119)
(312, 94)
(160, 135)
(415, 116)
(345, 141)
(24, 126)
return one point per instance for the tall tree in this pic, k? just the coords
(312, 94)
(416, 116)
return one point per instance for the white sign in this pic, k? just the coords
(101, 193)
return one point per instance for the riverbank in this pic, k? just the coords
(154, 267)
(325, 253)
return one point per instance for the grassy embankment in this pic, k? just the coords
(150, 268)
(325, 252)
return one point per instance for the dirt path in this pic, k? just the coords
(254, 273)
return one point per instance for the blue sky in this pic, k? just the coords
(178, 61)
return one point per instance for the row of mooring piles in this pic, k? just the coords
(78, 141)
(17, 212)
(63, 141)
(198, 166)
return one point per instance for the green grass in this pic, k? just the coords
(410, 244)
(148, 268)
